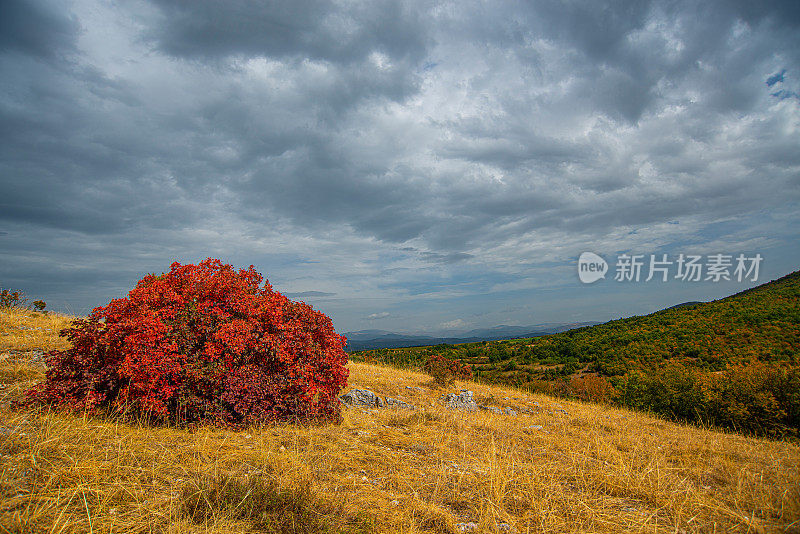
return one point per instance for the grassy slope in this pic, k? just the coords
(592, 469)
(762, 323)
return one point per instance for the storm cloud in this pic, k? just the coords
(387, 157)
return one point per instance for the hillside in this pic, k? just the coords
(761, 324)
(555, 466)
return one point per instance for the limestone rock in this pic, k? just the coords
(460, 401)
(361, 397)
(397, 403)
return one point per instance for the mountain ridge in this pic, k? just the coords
(383, 339)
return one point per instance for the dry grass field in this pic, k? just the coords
(561, 467)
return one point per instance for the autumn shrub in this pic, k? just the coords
(444, 371)
(755, 397)
(591, 388)
(200, 343)
(12, 299)
(752, 397)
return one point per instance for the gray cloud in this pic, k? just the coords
(385, 151)
(305, 29)
(452, 257)
(306, 294)
(40, 29)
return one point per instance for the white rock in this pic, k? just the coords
(361, 397)
(397, 403)
(461, 401)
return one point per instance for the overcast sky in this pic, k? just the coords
(406, 166)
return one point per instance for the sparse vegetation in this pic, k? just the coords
(16, 300)
(12, 299)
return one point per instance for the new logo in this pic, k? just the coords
(591, 267)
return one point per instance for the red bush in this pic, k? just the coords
(201, 343)
(444, 371)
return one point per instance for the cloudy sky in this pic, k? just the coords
(407, 166)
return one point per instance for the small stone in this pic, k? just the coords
(510, 411)
(466, 527)
(395, 502)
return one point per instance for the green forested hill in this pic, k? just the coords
(755, 331)
(761, 323)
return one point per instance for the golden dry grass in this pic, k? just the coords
(28, 330)
(591, 469)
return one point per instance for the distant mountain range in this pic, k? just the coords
(383, 339)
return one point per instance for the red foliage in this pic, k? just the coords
(592, 388)
(201, 343)
(445, 371)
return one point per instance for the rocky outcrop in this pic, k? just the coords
(361, 397)
(397, 403)
(463, 401)
(498, 411)
(366, 398)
